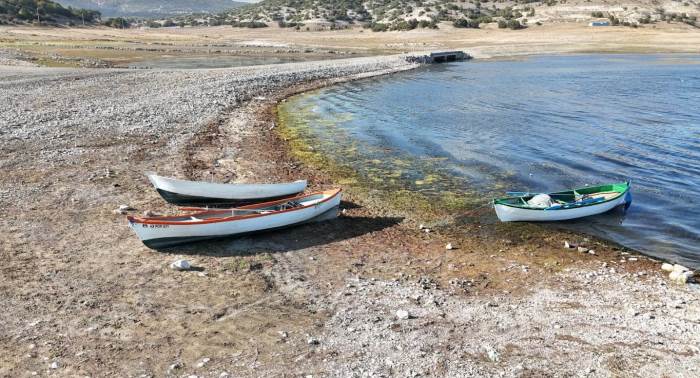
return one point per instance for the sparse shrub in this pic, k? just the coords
(464, 23)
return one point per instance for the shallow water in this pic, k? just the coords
(544, 123)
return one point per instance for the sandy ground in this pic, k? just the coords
(119, 47)
(82, 296)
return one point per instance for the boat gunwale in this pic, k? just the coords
(233, 184)
(163, 220)
(627, 189)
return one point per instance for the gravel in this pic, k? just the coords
(579, 330)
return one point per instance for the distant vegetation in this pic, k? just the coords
(45, 12)
(152, 8)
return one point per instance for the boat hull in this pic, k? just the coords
(183, 192)
(166, 234)
(516, 214)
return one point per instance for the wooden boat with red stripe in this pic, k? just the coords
(165, 231)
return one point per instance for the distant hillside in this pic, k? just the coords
(153, 8)
(409, 14)
(44, 11)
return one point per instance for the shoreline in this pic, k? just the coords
(82, 291)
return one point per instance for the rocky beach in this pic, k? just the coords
(368, 294)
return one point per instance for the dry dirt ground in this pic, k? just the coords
(119, 47)
(82, 296)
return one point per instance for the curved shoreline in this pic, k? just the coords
(320, 299)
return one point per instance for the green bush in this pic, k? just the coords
(464, 23)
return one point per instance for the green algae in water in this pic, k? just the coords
(404, 182)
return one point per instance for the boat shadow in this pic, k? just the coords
(321, 231)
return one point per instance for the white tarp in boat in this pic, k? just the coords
(540, 201)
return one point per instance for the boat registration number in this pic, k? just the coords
(155, 226)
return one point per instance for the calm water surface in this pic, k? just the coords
(544, 123)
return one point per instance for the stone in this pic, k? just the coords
(673, 276)
(679, 268)
(684, 277)
(403, 314)
(54, 365)
(582, 249)
(427, 230)
(568, 245)
(421, 227)
(203, 362)
(591, 252)
(224, 374)
(283, 334)
(150, 213)
(180, 265)
(492, 354)
(667, 267)
(449, 246)
(312, 341)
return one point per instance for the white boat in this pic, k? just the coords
(183, 192)
(565, 205)
(158, 232)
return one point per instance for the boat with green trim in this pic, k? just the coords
(563, 205)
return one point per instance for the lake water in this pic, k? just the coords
(542, 123)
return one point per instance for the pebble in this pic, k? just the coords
(492, 354)
(180, 265)
(54, 365)
(421, 227)
(679, 268)
(567, 245)
(224, 374)
(312, 341)
(123, 209)
(403, 314)
(203, 362)
(591, 252)
(449, 246)
(667, 267)
(582, 249)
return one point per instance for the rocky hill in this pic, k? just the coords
(153, 8)
(408, 14)
(44, 12)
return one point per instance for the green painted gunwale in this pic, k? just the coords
(621, 188)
